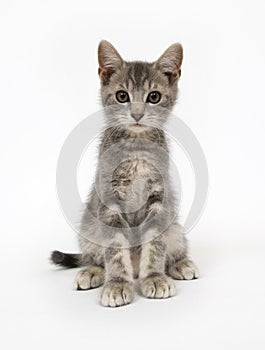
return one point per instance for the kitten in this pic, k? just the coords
(130, 229)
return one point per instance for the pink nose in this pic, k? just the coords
(137, 116)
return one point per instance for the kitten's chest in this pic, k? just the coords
(136, 166)
(133, 169)
(133, 177)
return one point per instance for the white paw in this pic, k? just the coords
(116, 294)
(160, 286)
(183, 270)
(91, 277)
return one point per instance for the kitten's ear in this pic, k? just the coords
(170, 62)
(108, 59)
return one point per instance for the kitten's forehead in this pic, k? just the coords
(137, 74)
(141, 75)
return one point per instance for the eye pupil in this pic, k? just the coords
(122, 96)
(154, 97)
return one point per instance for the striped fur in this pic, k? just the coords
(118, 244)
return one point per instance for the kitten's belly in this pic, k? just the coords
(135, 260)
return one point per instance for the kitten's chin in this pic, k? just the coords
(138, 128)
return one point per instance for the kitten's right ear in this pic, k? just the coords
(108, 59)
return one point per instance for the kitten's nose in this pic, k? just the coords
(137, 116)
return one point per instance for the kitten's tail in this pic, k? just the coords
(67, 260)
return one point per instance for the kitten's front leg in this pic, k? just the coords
(118, 287)
(153, 281)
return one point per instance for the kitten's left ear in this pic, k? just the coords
(170, 62)
(108, 59)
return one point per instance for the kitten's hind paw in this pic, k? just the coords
(91, 277)
(183, 270)
(158, 287)
(116, 294)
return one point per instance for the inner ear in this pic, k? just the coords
(109, 59)
(170, 62)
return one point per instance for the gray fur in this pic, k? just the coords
(134, 243)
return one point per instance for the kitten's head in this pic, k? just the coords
(138, 94)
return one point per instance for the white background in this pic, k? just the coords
(48, 84)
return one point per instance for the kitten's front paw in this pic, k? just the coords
(91, 277)
(183, 270)
(116, 294)
(159, 286)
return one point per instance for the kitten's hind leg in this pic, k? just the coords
(90, 277)
(178, 265)
(184, 269)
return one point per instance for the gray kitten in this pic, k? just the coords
(129, 228)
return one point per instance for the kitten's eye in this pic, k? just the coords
(122, 97)
(153, 97)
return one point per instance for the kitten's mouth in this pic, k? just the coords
(137, 127)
